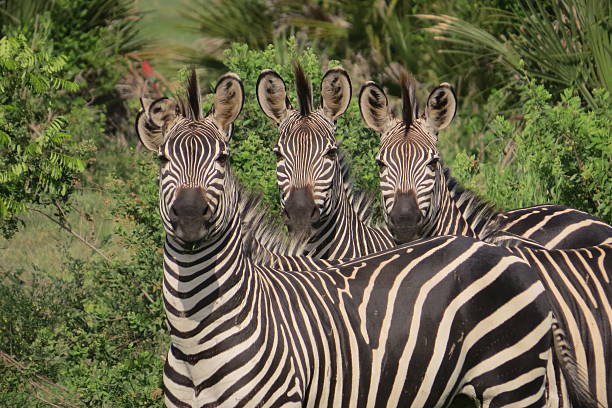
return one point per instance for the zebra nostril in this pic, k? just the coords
(206, 214)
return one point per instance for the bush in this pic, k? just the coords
(98, 334)
(560, 154)
(39, 165)
(255, 134)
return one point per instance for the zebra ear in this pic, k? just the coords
(228, 102)
(272, 95)
(374, 107)
(335, 93)
(441, 107)
(153, 120)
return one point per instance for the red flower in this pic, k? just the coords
(146, 68)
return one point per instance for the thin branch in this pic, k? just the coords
(45, 386)
(66, 227)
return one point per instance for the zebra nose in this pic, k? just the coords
(189, 214)
(300, 210)
(405, 217)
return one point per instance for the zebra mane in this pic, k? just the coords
(410, 105)
(481, 215)
(263, 237)
(190, 105)
(303, 88)
(361, 201)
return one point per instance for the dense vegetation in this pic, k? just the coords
(81, 319)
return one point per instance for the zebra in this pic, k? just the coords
(316, 193)
(415, 325)
(420, 200)
(412, 176)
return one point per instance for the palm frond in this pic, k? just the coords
(565, 43)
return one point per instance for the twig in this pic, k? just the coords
(67, 228)
(45, 385)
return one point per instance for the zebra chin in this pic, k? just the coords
(403, 235)
(190, 235)
(297, 228)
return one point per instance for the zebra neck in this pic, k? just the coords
(200, 285)
(480, 215)
(345, 234)
(445, 217)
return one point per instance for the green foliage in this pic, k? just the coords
(38, 165)
(90, 34)
(255, 134)
(560, 154)
(99, 333)
(565, 43)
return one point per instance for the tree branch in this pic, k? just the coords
(45, 386)
(66, 227)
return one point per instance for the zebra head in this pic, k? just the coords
(408, 159)
(308, 171)
(193, 155)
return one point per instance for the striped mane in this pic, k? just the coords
(410, 105)
(190, 106)
(481, 215)
(303, 88)
(263, 236)
(361, 201)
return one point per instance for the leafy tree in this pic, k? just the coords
(564, 43)
(37, 164)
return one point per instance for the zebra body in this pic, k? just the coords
(412, 326)
(316, 193)
(330, 338)
(422, 200)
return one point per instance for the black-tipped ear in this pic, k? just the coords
(272, 95)
(335, 93)
(153, 120)
(374, 107)
(441, 107)
(228, 102)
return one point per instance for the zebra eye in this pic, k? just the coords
(222, 158)
(163, 160)
(332, 153)
(381, 165)
(278, 154)
(433, 164)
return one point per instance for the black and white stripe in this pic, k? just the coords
(310, 164)
(412, 326)
(577, 280)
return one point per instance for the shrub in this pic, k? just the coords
(255, 134)
(98, 333)
(560, 154)
(39, 165)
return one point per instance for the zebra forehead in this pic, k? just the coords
(307, 128)
(203, 130)
(399, 148)
(414, 135)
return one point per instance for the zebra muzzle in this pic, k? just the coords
(405, 217)
(189, 215)
(301, 212)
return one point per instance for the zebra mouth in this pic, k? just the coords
(293, 227)
(190, 233)
(405, 234)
